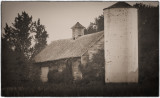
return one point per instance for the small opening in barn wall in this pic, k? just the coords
(53, 67)
(61, 67)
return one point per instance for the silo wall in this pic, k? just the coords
(121, 45)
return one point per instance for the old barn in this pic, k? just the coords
(72, 53)
(119, 41)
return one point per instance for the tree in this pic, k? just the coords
(40, 38)
(94, 71)
(16, 41)
(96, 26)
(148, 40)
(17, 46)
(91, 28)
(17, 36)
(100, 23)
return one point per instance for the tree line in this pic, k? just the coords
(20, 43)
(148, 38)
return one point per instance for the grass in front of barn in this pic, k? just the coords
(94, 88)
(148, 83)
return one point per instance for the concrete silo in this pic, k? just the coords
(121, 43)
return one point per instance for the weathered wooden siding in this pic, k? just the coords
(84, 59)
(58, 66)
(77, 74)
(61, 67)
(53, 67)
(77, 32)
(95, 48)
(76, 63)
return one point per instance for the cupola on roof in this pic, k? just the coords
(77, 25)
(119, 5)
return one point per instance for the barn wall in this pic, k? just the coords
(61, 67)
(76, 72)
(58, 67)
(84, 59)
(88, 56)
(49, 67)
(53, 68)
(76, 63)
(95, 48)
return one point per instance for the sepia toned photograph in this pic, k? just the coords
(79, 49)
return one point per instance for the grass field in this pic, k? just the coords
(94, 88)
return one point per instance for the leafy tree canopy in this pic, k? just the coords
(96, 26)
(23, 33)
(20, 43)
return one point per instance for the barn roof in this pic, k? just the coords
(77, 25)
(67, 48)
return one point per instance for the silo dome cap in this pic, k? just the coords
(119, 5)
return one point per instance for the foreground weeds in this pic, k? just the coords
(72, 89)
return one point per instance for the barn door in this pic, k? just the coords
(44, 74)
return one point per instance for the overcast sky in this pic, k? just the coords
(58, 17)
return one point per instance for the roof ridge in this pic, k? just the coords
(76, 39)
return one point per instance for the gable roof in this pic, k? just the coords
(67, 48)
(77, 25)
(119, 5)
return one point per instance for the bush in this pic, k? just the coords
(58, 77)
(94, 71)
